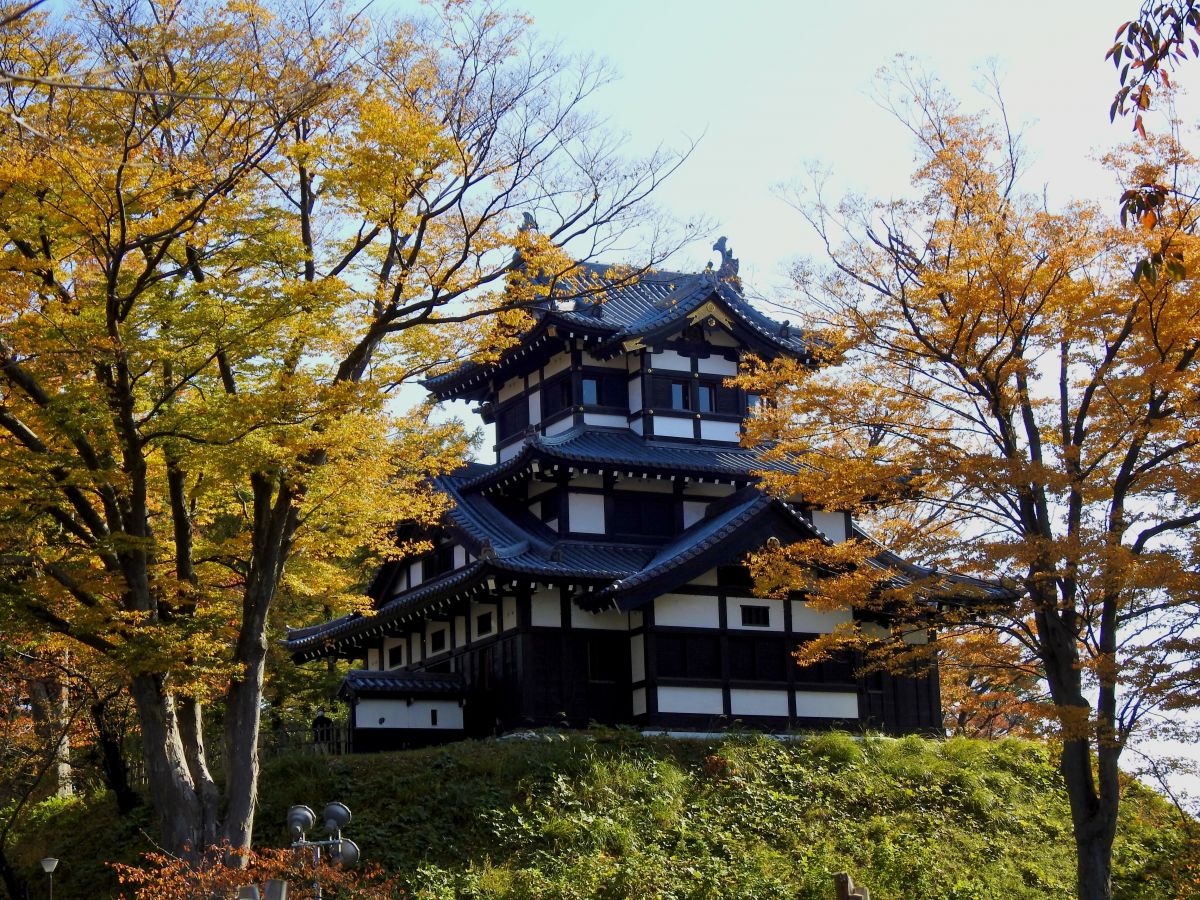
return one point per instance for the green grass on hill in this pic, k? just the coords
(615, 815)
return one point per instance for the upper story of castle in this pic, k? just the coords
(649, 355)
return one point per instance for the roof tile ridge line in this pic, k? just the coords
(665, 305)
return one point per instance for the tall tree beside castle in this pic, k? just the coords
(228, 232)
(1002, 394)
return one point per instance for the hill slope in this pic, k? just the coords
(616, 815)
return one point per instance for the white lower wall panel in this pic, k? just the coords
(817, 621)
(509, 451)
(639, 701)
(826, 704)
(401, 714)
(637, 659)
(564, 424)
(774, 613)
(720, 431)
(586, 512)
(373, 660)
(670, 426)
(687, 611)
(705, 701)
(758, 703)
(604, 420)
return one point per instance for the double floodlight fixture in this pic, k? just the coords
(336, 816)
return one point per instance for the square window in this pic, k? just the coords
(437, 641)
(679, 395)
(395, 656)
(484, 624)
(756, 616)
(704, 394)
(752, 401)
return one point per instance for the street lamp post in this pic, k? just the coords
(49, 864)
(301, 820)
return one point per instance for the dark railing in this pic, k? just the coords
(325, 740)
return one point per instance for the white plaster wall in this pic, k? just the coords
(556, 364)
(510, 389)
(635, 619)
(636, 426)
(538, 487)
(832, 524)
(716, 365)
(733, 612)
(637, 659)
(604, 421)
(706, 579)
(635, 394)
(460, 630)
(373, 660)
(815, 621)
(639, 701)
(414, 649)
(399, 714)
(669, 359)
(617, 362)
(687, 611)
(508, 451)
(535, 407)
(690, 700)
(693, 512)
(758, 703)
(608, 620)
(670, 426)
(430, 629)
(720, 431)
(708, 490)
(508, 619)
(545, 609)
(563, 424)
(827, 704)
(918, 638)
(414, 574)
(460, 557)
(588, 480)
(586, 512)
(721, 338)
(647, 485)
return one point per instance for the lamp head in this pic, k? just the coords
(336, 816)
(300, 819)
(346, 854)
(49, 864)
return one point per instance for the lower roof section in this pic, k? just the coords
(371, 683)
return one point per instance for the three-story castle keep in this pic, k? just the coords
(592, 573)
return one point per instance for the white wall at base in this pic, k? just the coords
(635, 394)
(720, 431)
(733, 613)
(669, 359)
(816, 621)
(400, 713)
(545, 609)
(744, 702)
(637, 659)
(508, 618)
(460, 630)
(535, 407)
(639, 701)
(716, 365)
(832, 524)
(509, 451)
(705, 701)
(693, 512)
(687, 611)
(827, 705)
(670, 426)
(564, 424)
(556, 364)
(608, 620)
(373, 659)
(585, 512)
(605, 421)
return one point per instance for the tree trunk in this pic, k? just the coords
(112, 759)
(50, 701)
(175, 800)
(243, 715)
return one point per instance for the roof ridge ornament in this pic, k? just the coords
(729, 264)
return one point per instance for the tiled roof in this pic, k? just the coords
(618, 309)
(619, 448)
(360, 682)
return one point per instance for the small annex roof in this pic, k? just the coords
(619, 310)
(621, 450)
(372, 683)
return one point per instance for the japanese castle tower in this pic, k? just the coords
(592, 573)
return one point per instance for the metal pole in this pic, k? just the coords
(316, 873)
(51, 875)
